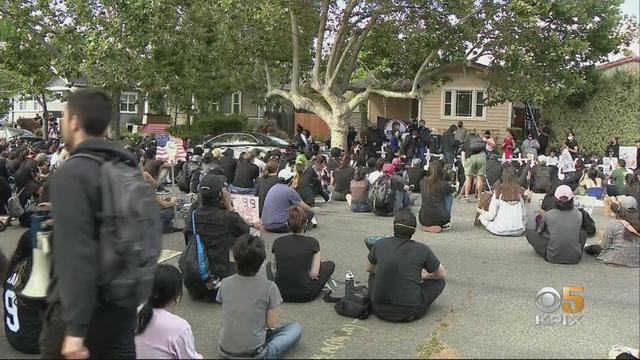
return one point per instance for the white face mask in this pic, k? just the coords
(570, 137)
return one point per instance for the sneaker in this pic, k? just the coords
(447, 226)
(314, 222)
(618, 350)
(330, 197)
(162, 192)
(464, 199)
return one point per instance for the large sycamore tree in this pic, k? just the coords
(533, 49)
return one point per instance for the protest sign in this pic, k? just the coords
(628, 154)
(246, 206)
(566, 163)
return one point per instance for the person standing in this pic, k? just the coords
(543, 140)
(461, 133)
(424, 140)
(489, 142)
(507, 145)
(351, 137)
(530, 146)
(81, 319)
(613, 149)
(448, 148)
(572, 145)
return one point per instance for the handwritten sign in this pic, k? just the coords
(566, 163)
(246, 206)
(608, 164)
(628, 154)
(587, 203)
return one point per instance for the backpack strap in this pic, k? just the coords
(193, 223)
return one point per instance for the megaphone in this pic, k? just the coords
(38, 282)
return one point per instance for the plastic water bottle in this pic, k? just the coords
(349, 284)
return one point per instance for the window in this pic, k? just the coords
(129, 102)
(236, 97)
(463, 103)
(36, 104)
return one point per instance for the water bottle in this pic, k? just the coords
(349, 284)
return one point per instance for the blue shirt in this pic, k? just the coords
(276, 206)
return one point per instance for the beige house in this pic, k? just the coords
(461, 99)
(629, 63)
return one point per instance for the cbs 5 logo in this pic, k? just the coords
(548, 299)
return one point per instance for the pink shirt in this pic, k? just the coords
(166, 337)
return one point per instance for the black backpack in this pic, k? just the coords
(380, 197)
(130, 234)
(476, 145)
(182, 180)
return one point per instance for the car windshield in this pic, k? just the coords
(277, 140)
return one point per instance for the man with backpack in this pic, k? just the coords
(389, 193)
(106, 241)
(475, 166)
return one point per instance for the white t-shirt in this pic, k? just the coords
(374, 176)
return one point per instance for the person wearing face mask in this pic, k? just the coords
(489, 142)
(572, 145)
(530, 146)
(410, 145)
(613, 149)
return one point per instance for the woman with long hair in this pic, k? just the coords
(506, 215)
(508, 145)
(266, 181)
(22, 316)
(28, 188)
(357, 199)
(620, 243)
(340, 179)
(161, 334)
(435, 216)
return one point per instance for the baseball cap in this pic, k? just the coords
(628, 203)
(41, 157)
(285, 174)
(405, 218)
(542, 159)
(212, 182)
(388, 169)
(563, 191)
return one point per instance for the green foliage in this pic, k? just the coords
(612, 111)
(517, 134)
(207, 125)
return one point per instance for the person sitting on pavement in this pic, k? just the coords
(303, 183)
(340, 179)
(415, 173)
(161, 334)
(494, 171)
(22, 316)
(561, 235)
(218, 226)
(541, 176)
(280, 197)
(506, 215)
(617, 179)
(334, 159)
(435, 210)
(405, 276)
(299, 272)
(244, 180)
(359, 186)
(620, 244)
(632, 186)
(375, 174)
(266, 181)
(249, 325)
(28, 189)
(167, 206)
(590, 180)
(395, 197)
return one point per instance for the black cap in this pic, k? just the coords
(406, 218)
(211, 182)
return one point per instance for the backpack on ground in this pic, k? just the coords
(476, 145)
(130, 233)
(15, 208)
(380, 197)
(182, 180)
(355, 303)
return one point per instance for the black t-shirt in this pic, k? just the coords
(572, 144)
(343, 179)
(294, 256)
(246, 174)
(22, 319)
(333, 164)
(433, 211)
(229, 167)
(399, 263)
(415, 174)
(262, 188)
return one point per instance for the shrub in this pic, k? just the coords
(612, 111)
(205, 125)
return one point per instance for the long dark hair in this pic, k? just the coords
(433, 181)
(167, 287)
(509, 188)
(20, 262)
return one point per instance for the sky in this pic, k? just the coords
(632, 7)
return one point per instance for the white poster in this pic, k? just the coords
(565, 163)
(246, 206)
(608, 164)
(629, 155)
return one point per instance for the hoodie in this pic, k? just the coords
(75, 198)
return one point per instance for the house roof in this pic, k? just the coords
(58, 83)
(617, 63)
(404, 84)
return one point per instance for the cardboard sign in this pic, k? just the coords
(608, 164)
(566, 163)
(246, 206)
(628, 154)
(587, 203)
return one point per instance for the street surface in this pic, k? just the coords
(487, 309)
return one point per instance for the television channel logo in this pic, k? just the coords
(549, 301)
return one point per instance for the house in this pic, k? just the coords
(460, 99)
(629, 63)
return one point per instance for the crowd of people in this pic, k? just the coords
(383, 175)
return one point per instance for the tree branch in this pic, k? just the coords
(295, 42)
(302, 102)
(320, 42)
(353, 60)
(344, 23)
(359, 99)
(344, 55)
(268, 76)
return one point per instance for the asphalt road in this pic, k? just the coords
(487, 309)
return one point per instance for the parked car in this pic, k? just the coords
(243, 141)
(10, 133)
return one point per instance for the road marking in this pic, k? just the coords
(338, 341)
(166, 254)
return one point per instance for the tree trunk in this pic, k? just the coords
(339, 126)
(114, 128)
(45, 116)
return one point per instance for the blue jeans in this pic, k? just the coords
(281, 340)
(449, 157)
(167, 216)
(243, 191)
(420, 154)
(449, 203)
